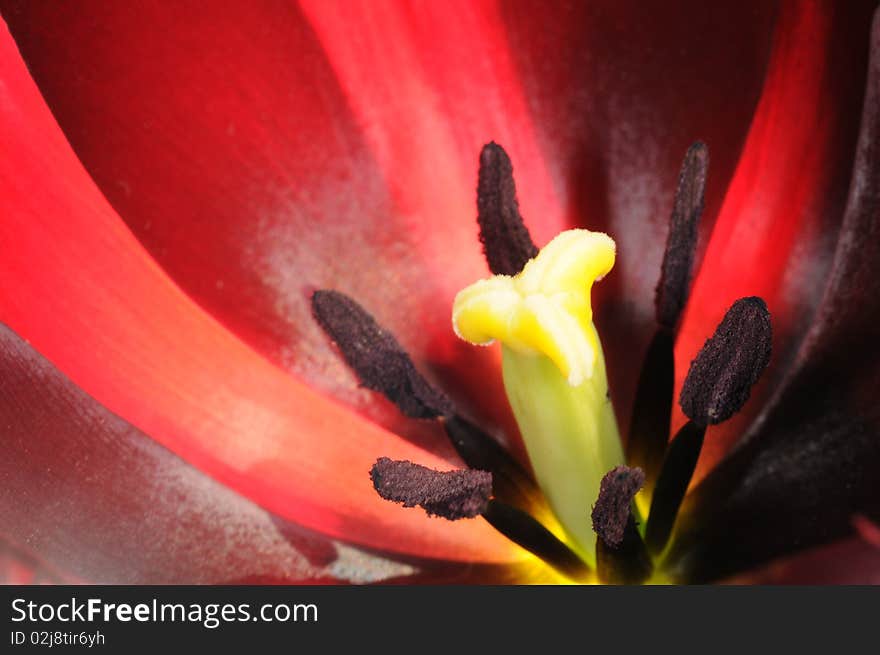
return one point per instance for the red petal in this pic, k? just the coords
(867, 530)
(772, 236)
(249, 172)
(609, 99)
(99, 500)
(852, 561)
(82, 290)
(226, 144)
(18, 568)
(813, 459)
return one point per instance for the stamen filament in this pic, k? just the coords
(621, 557)
(628, 563)
(512, 483)
(531, 535)
(652, 410)
(675, 477)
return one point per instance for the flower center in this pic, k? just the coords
(554, 371)
(537, 305)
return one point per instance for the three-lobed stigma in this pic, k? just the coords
(545, 309)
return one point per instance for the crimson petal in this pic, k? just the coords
(774, 234)
(81, 289)
(227, 144)
(814, 461)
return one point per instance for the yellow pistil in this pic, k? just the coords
(554, 370)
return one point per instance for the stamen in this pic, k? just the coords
(621, 557)
(721, 377)
(652, 408)
(675, 278)
(467, 493)
(506, 241)
(480, 451)
(527, 532)
(627, 563)
(376, 357)
(675, 477)
(452, 495)
(382, 365)
(612, 508)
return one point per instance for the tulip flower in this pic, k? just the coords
(177, 184)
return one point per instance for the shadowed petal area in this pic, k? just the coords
(796, 485)
(100, 501)
(849, 562)
(81, 289)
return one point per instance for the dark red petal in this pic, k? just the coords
(95, 498)
(774, 234)
(813, 462)
(846, 322)
(849, 562)
(82, 290)
(618, 91)
(796, 484)
(253, 175)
